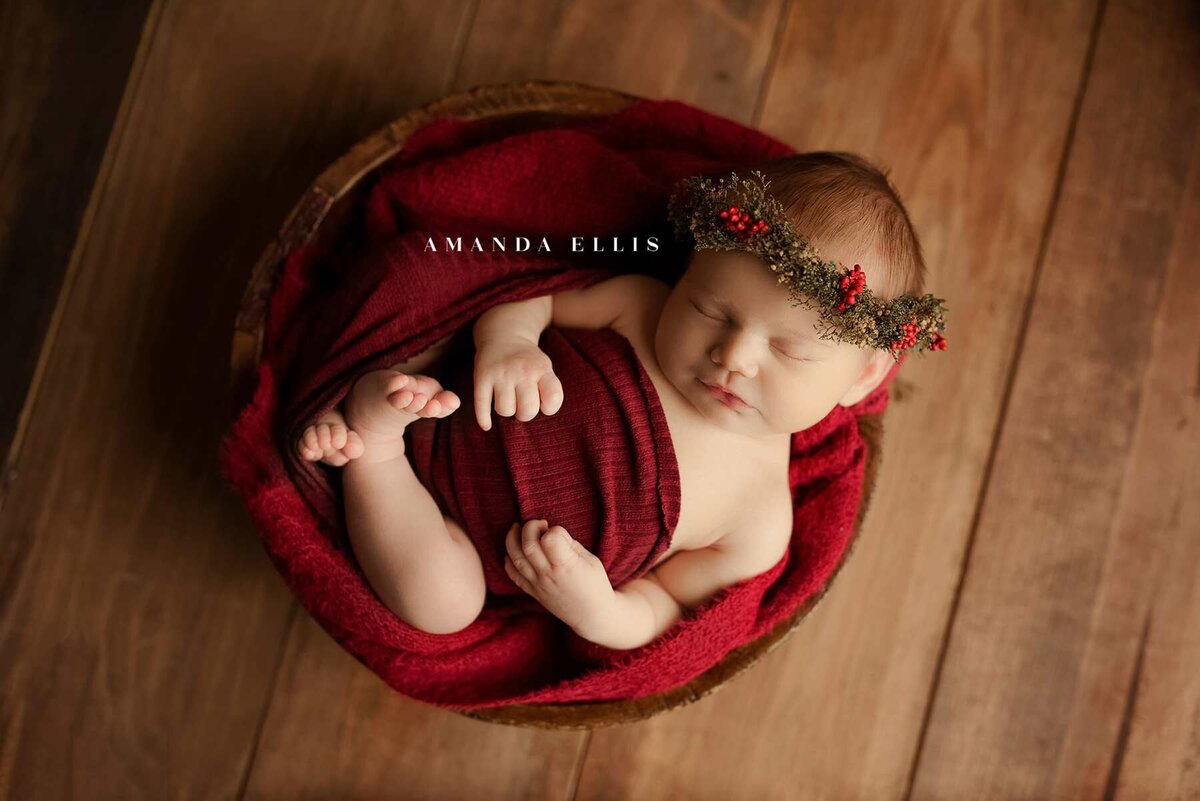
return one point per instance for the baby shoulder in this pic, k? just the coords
(644, 298)
(762, 533)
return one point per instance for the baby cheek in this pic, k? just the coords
(800, 390)
(673, 336)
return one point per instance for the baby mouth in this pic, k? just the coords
(724, 394)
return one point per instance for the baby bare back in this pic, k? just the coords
(721, 478)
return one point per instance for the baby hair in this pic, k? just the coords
(842, 196)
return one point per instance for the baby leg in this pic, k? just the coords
(420, 563)
(333, 442)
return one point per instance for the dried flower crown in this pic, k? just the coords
(756, 222)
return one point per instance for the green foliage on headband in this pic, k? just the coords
(704, 211)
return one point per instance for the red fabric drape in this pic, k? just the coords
(603, 466)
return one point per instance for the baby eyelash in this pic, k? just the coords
(719, 320)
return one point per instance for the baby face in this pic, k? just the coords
(729, 323)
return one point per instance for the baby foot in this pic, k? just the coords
(383, 403)
(330, 441)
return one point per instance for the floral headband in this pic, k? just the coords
(759, 225)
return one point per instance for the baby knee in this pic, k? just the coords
(447, 609)
(449, 619)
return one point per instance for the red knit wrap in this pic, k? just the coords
(603, 466)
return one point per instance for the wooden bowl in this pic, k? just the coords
(323, 211)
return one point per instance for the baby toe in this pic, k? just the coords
(335, 459)
(427, 385)
(400, 400)
(433, 408)
(323, 438)
(309, 437)
(448, 400)
(354, 445)
(337, 435)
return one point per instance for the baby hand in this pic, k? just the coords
(565, 577)
(330, 440)
(520, 376)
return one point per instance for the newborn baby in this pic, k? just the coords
(738, 367)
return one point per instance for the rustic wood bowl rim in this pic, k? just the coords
(302, 224)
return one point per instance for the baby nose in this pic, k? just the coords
(736, 354)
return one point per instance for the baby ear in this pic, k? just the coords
(872, 375)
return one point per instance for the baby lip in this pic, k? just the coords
(726, 391)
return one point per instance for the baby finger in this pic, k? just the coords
(516, 576)
(506, 400)
(512, 544)
(531, 545)
(527, 401)
(550, 388)
(483, 404)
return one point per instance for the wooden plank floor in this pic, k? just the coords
(62, 73)
(1021, 618)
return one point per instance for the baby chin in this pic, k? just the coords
(722, 411)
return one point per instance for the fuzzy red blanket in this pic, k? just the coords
(380, 294)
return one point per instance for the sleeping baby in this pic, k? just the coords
(763, 335)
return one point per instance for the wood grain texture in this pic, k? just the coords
(335, 730)
(63, 66)
(1159, 755)
(148, 649)
(708, 53)
(1095, 456)
(970, 105)
(141, 624)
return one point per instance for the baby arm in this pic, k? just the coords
(572, 584)
(512, 372)
(510, 367)
(596, 306)
(645, 608)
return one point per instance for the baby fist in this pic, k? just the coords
(566, 578)
(520, 377)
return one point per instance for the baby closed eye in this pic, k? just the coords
(710, 316)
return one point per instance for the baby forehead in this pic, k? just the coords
(764, 301)
(779, 313)
(721, 267)
(758, 287)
